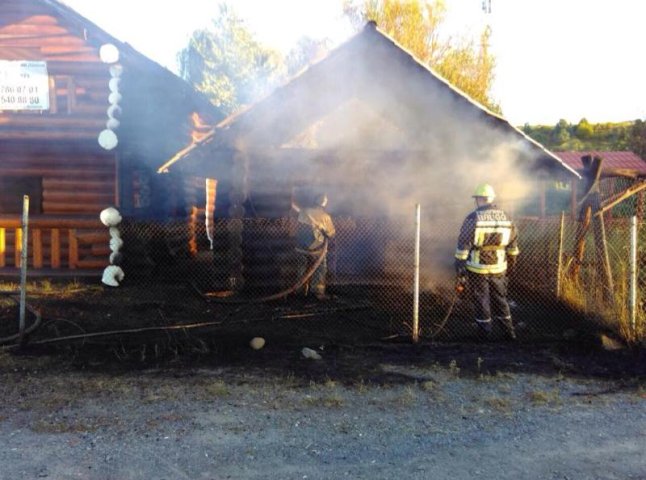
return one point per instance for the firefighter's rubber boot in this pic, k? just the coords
(511, 331)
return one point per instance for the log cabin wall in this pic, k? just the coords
(53, 154)
(57, 146)
(67, 181)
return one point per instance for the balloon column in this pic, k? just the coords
(113, 274)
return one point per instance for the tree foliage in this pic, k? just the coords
(306, 51)
(586, 136)
(416, 25)
(637, 140)
(227, 64)
(583, 129)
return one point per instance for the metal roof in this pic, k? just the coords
(624, 160)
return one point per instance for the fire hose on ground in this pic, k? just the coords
(22, 335)
(318, 255)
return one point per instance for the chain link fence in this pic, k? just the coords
(179, 273)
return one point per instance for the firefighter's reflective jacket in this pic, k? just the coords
(314, 225)
(486, 238)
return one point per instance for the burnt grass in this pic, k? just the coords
(176, 327)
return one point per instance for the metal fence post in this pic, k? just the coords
(416, 281)
(633, 273)
(23, 266)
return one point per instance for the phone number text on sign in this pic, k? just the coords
(24, 85)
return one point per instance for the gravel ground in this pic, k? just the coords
(458, 412)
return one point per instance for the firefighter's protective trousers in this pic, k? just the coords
(489, 295)
(314, 226)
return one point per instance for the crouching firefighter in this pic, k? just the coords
(487, 250)
(314, 227)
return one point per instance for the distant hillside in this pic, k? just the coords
(588, 136)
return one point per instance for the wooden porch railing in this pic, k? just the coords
(55, 243)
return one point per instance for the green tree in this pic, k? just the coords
(416, 25)
(584, 130)
(227, 64)
(306, 51)
(561, 133)
(637, 141)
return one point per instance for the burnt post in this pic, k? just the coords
(237, 197)
(590, 205)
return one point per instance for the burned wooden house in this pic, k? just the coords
(379, 132)
(85, 120)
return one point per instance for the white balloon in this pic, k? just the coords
(108, 53)
(108, 139)
(112, 275)
(110, 217)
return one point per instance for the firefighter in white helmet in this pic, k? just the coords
(314, 227)
(487, 249)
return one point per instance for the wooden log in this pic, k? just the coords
(53, 101)
(80, 157)
(15, 16)
(56, 207)
(91, 263)
(72, 121)
(36, 221)
(71, 95)
(56, 172)
(3, 247)
(67, 49)
(73, 57)
(37, 246)
(55, 256)
(93, 108)
(579, 249)
(27, 29)
(59, 185)
(101, 166)
(89, 69)
(49, 135)
(20, 10)
(73, 256)
(17, 247)
(603, 258)
(620, 197)
(94, 237)
(101, 251)
(72, 197)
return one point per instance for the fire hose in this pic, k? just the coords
(460, 285)
(318, 255)
(28, 330)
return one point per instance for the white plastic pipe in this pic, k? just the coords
(416, 281)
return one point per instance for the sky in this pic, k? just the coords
(555, 59)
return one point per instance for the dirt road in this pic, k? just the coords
(452, 411)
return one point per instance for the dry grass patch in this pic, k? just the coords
(326, 401)
(502, 405)
(542, 397)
